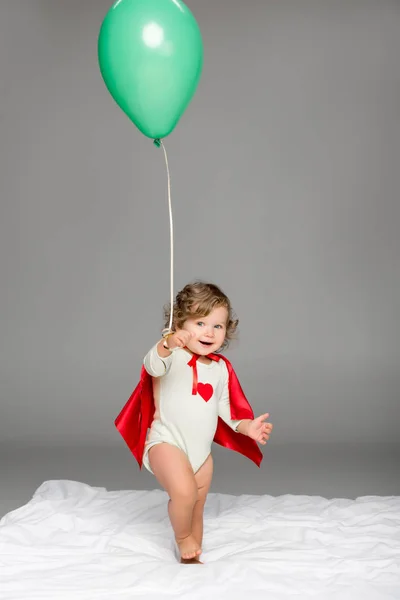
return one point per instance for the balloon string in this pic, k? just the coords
(171, 232)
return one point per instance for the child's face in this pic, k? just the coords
(208, 332)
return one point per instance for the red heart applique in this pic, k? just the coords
(205, 390)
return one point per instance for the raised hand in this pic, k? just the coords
(179, 339)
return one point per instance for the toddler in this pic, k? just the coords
(188, 397)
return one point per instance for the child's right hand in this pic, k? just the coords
(179, 339)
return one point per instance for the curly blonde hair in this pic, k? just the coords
(197, 300)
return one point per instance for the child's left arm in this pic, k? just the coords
(253, 428)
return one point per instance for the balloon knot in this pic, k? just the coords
(157, 142)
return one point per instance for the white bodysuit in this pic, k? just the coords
(182, 419)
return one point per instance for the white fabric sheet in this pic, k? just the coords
(76, 542)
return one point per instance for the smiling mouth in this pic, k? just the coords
(206, 343)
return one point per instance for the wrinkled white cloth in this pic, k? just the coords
(76, 542)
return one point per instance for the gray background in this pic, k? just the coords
(285, 182)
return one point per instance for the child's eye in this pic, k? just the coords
(200, 323)
(218, 326)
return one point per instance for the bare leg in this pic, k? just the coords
(174, 473)
(203, 479)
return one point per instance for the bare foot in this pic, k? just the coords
(191, 561)
(188, 547)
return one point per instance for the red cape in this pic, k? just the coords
(137, 415)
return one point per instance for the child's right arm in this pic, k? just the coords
(158, 360)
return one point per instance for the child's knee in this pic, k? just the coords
(186, 495)
(198, 508)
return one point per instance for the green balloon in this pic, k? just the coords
(151, 56)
